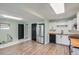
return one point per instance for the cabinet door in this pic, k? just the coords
(58, 39)
(65, 40)
(62, 39)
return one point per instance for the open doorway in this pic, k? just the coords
(33, 26)
(20, 31)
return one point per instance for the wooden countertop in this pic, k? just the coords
(65, 33)
(74, 42)
(70, 35)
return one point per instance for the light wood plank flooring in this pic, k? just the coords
(34, 48)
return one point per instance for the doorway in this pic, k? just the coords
(34, 31)
(20, 31)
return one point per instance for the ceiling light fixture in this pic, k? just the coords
(5, 28)
(58, 7)
(11, 17)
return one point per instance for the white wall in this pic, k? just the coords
(46, 32)
(29, 31)
(78, 21)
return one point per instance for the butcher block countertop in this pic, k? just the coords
(73, 33)
(75, 41)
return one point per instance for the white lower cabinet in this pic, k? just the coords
(75, 51)
(62, 39)
(58, 39)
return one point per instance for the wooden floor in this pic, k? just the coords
(34, 48)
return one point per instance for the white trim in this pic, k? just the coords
(12, 43)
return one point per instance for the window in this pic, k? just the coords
(4, 26)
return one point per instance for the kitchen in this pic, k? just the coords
(64, 31)
(43, 26)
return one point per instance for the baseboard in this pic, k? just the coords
(12, 43)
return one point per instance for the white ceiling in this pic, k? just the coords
(37, 11)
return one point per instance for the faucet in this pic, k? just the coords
(61, 31)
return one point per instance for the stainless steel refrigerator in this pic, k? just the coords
(40, 33)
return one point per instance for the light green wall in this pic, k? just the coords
(13, 31)
(3, 36)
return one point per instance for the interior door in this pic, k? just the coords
(20, 31)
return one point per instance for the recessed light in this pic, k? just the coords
(4, 28)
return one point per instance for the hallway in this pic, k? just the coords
(34, 48)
